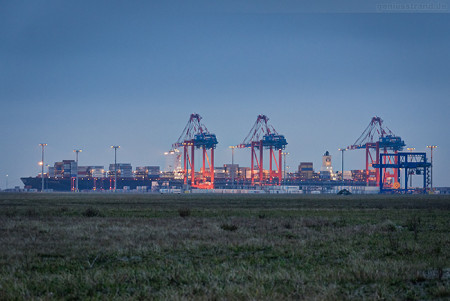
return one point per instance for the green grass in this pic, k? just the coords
(108, 246)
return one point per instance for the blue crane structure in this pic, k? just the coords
(376, 138)
(408, 162)
(264, 136)
(194, 136)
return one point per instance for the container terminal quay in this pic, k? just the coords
(389, 168)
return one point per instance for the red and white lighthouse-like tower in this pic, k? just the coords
(196, 136)
(264, 136)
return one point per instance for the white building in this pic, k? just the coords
(326, 171)
(173, 160)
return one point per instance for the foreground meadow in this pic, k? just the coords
(169, 247)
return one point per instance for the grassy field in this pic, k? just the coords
(170, 247)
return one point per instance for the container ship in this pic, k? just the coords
(98, 184)
(63, 175)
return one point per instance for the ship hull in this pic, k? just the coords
(65, 184)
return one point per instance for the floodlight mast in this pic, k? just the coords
(431, 147)
(232, 169)
(342, 150)
(76, 151)
(115, 147)
(43, 145)
(411, 149)
(284, 174)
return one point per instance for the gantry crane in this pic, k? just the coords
(407, 161)
(262, 135)
(377, 137)
(194, 136)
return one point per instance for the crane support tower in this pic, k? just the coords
(264, 136)
(377, 139)
(196, 136)
(411, 163)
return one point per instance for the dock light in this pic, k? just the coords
(342, 150)
(411, 149)
(232, 165)
(76, 151)
(284, 174)
(43, 145)
(115, 147)
(431, 147)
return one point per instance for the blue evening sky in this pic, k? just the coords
(90, 74)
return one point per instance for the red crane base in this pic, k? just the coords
(206, 178)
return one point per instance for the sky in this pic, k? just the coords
(91, 74)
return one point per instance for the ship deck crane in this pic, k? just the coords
(196, 136)
(377, 137)
(264, 136)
